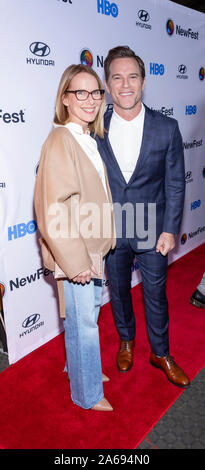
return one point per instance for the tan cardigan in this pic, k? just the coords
(66, 177)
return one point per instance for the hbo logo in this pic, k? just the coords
(156, 69)
(190, 109)
(20, 230)
(195, 204)
(107, 8)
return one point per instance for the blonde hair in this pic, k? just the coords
(61, 112)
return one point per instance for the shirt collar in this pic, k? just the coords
(134, 122)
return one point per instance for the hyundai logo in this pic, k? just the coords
(31, 320)
(40, 49)
(182, 69)
(143, 15)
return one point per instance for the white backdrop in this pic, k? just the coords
(39, 39)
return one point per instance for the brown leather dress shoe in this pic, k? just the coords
(173, 372)
(125, 355)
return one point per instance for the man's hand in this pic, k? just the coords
(166, 243)
(85, 276)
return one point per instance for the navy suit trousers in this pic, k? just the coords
(153, 268)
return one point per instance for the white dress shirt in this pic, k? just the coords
(89, 145)
(126, 138)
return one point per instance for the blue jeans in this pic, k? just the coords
(82, 342)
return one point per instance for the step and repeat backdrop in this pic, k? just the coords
(39, 39)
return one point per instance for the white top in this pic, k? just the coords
(89, 145)
(126, 138)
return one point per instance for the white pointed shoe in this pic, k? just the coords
(105, 378)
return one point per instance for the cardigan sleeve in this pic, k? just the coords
(57, 191)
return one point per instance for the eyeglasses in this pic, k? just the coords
(82, 95)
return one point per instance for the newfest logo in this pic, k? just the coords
(183, 238)
(40, 50)
(165, 111)
(144, 18)
(193, 144)
(201, 73)
(12, 117)
(197, 232)
(86, 58)
(179, 31)
(2, 289)
(191, 235)
(29, 279)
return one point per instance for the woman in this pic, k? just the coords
(74, 212)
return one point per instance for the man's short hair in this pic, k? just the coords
(122, 52)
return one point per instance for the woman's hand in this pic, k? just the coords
(85, 276)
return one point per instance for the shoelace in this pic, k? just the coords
(170, 360)
(124, 345)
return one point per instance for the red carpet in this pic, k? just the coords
(36, 409)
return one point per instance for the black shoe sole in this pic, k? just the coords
(196, 303)
(177, 385)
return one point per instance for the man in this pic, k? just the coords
(143, 154)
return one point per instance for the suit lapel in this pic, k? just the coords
(146, 145)
(147, 141)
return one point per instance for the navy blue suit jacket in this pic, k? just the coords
(158, 176)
